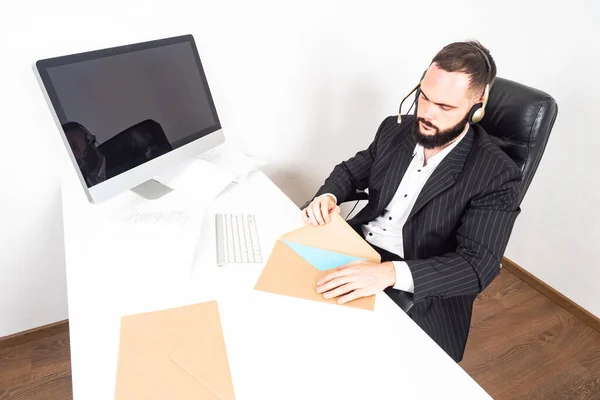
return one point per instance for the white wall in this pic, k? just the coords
(305, 85)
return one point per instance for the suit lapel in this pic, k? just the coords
(445, 174)
(401, 153)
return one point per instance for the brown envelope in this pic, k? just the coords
(336, 236)
(289, 274)
(174, 354)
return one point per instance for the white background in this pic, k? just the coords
(305, 85)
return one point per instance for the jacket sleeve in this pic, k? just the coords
(482, 238)
(351, 174)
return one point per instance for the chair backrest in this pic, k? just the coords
(520, 118)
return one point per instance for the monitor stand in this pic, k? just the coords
(151, 190)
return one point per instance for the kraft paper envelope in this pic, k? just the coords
(288, 273)
(336, 236)
(174, 354)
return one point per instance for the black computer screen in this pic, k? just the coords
(123, 106)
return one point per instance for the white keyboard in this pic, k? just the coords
(237, 239)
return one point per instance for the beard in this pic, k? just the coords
(439, 138)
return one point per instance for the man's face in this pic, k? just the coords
(443, 105)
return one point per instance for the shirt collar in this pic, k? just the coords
(434, 161)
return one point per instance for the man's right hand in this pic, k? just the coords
(317, 212)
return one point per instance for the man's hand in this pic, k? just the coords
(357, 279)
(317, 212)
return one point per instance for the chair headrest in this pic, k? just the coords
(520, 118)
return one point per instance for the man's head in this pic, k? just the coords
(454, 82)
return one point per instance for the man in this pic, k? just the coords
(443, 198)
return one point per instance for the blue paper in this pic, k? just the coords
(322, 259)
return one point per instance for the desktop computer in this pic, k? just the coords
(130, 113)
(127, 114)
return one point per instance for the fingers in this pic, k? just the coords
(341, 290)
(316, 209)
(332, 208)
(325, 211)
(317, 212)
(355, 294)
(311, 216)
(336, 274)
(334, 283)
(306, 216)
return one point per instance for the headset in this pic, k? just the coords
(477, 112)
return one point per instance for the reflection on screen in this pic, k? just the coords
(122, 110)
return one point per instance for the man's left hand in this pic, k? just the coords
(357, 279)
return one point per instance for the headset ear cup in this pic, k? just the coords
(476, 113)
(478, 116)
(478, 110)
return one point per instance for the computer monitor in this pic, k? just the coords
(128, 114)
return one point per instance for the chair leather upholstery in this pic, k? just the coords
(520, 119)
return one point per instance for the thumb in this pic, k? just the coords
(334, 210)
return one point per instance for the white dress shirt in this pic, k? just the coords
(385, 231)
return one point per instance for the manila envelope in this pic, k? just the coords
(174, 354)
(289, 274)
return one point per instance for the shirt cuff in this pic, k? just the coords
(330, 194)
(404, 279)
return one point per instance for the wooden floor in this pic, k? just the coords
(38, 370)
(522, 346)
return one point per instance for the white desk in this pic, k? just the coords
(278, 347)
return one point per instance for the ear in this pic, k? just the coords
(480, 96)
(475, 96)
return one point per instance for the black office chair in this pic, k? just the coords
(519, 118)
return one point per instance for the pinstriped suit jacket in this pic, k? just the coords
(457, 230)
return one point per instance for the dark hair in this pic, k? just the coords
(465, 57)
